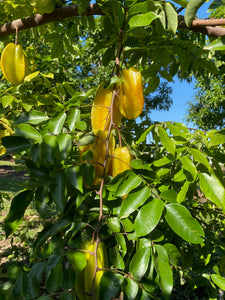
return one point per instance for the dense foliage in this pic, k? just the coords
(162, 219)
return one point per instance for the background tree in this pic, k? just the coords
(155, 230)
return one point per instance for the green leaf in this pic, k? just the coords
(213, 189)
(50, 230)
(191, 10)
(32, 117)
(182, 3)
(130, 182)
(78, 260)
(48, 149)
(139, 263)
(86, 140)
(114, 224)
(164, 271)
(144, 135)
(169, 196)
(108, 56)
(138, 8)
(179, 176)
(74, 176)
(15, 144)
(28, 132)
(18, 207)
(83, 5)
(200, 157)
(182, 193)
(31, 76)
(217, 138)
(59, 191)
(172, 17)
(183, 224)
(68, 279)
(57, 50)
(7, 100)
(64, 141)
(176, 131)
(189, 166)
(74, 120)
(162, 161)
(142, 19)
(217, 45)
(153, 83)
(116, 258)
(109, 285)
(148, 217)
(56, 123)
(130, 289)
(173, 253)
(29, 286)
(54, 278)
(134, 200)
(219, 281)
(166, 140)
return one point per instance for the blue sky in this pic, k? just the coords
(182, 92)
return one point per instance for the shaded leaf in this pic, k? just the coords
(18, 207)
(15, 144)
(109, 285)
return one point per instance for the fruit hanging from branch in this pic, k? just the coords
(84, 280)
(14, 63)
(131, 94)
(99, 151)
(121, 160)
(101, 109)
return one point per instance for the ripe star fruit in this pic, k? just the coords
(121, 160)
(100, 112)
(131, 94)
(14, 63)
(99, 150)
(43, 6)
(85, 278)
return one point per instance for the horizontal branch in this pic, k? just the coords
(58, 14)
(210, 27)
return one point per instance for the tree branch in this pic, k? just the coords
(58, 14)
(210, 27)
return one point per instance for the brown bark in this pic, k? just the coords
(58, 14)
(211, 27)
